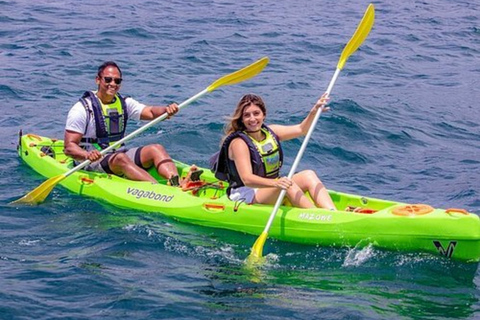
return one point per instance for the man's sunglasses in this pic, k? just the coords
(109, 79)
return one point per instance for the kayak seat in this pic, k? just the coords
(191, 185)
(360, 210)
(48, 151)
(211, 190)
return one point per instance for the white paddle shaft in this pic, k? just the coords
(299, 155)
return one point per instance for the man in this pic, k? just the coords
(100, 118)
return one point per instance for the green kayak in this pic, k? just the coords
(360, 221)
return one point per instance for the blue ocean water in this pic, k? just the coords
(403, 125)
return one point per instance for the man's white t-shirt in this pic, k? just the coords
(77, 117)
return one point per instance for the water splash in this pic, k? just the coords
(357, 257)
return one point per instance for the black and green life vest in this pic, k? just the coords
(110, 120)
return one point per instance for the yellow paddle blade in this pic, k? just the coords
(240, 75)
(40, 193)
(359, 36)
(257, 249)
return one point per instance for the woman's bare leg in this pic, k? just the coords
(294, 193)
(308, 180)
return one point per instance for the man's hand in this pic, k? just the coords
(171, 109)
(93, 155)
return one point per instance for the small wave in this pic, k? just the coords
(349, 156)
(298, 85)
(129, 33)
(464, 194)
(185, 243)
(237, 35)
(7, 92)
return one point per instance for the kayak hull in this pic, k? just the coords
(452, 233)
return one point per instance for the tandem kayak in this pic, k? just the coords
(359, 222)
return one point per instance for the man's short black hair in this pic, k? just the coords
(106, 65)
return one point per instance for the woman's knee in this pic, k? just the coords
(304, 174)
(310, 174)
(306, 178)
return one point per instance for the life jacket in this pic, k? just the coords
(266, 157)
(110, 120)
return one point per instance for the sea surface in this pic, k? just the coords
(404, 125)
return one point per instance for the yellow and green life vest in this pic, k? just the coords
(266, 157)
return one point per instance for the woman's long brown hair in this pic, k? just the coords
(235, 122)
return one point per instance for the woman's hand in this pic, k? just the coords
(283, 183)
(322, 102)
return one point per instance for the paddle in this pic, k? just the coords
(357, 39)
(42, 191)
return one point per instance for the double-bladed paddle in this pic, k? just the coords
(357, 39)
(41, 192)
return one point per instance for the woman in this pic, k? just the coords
(251, 158)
